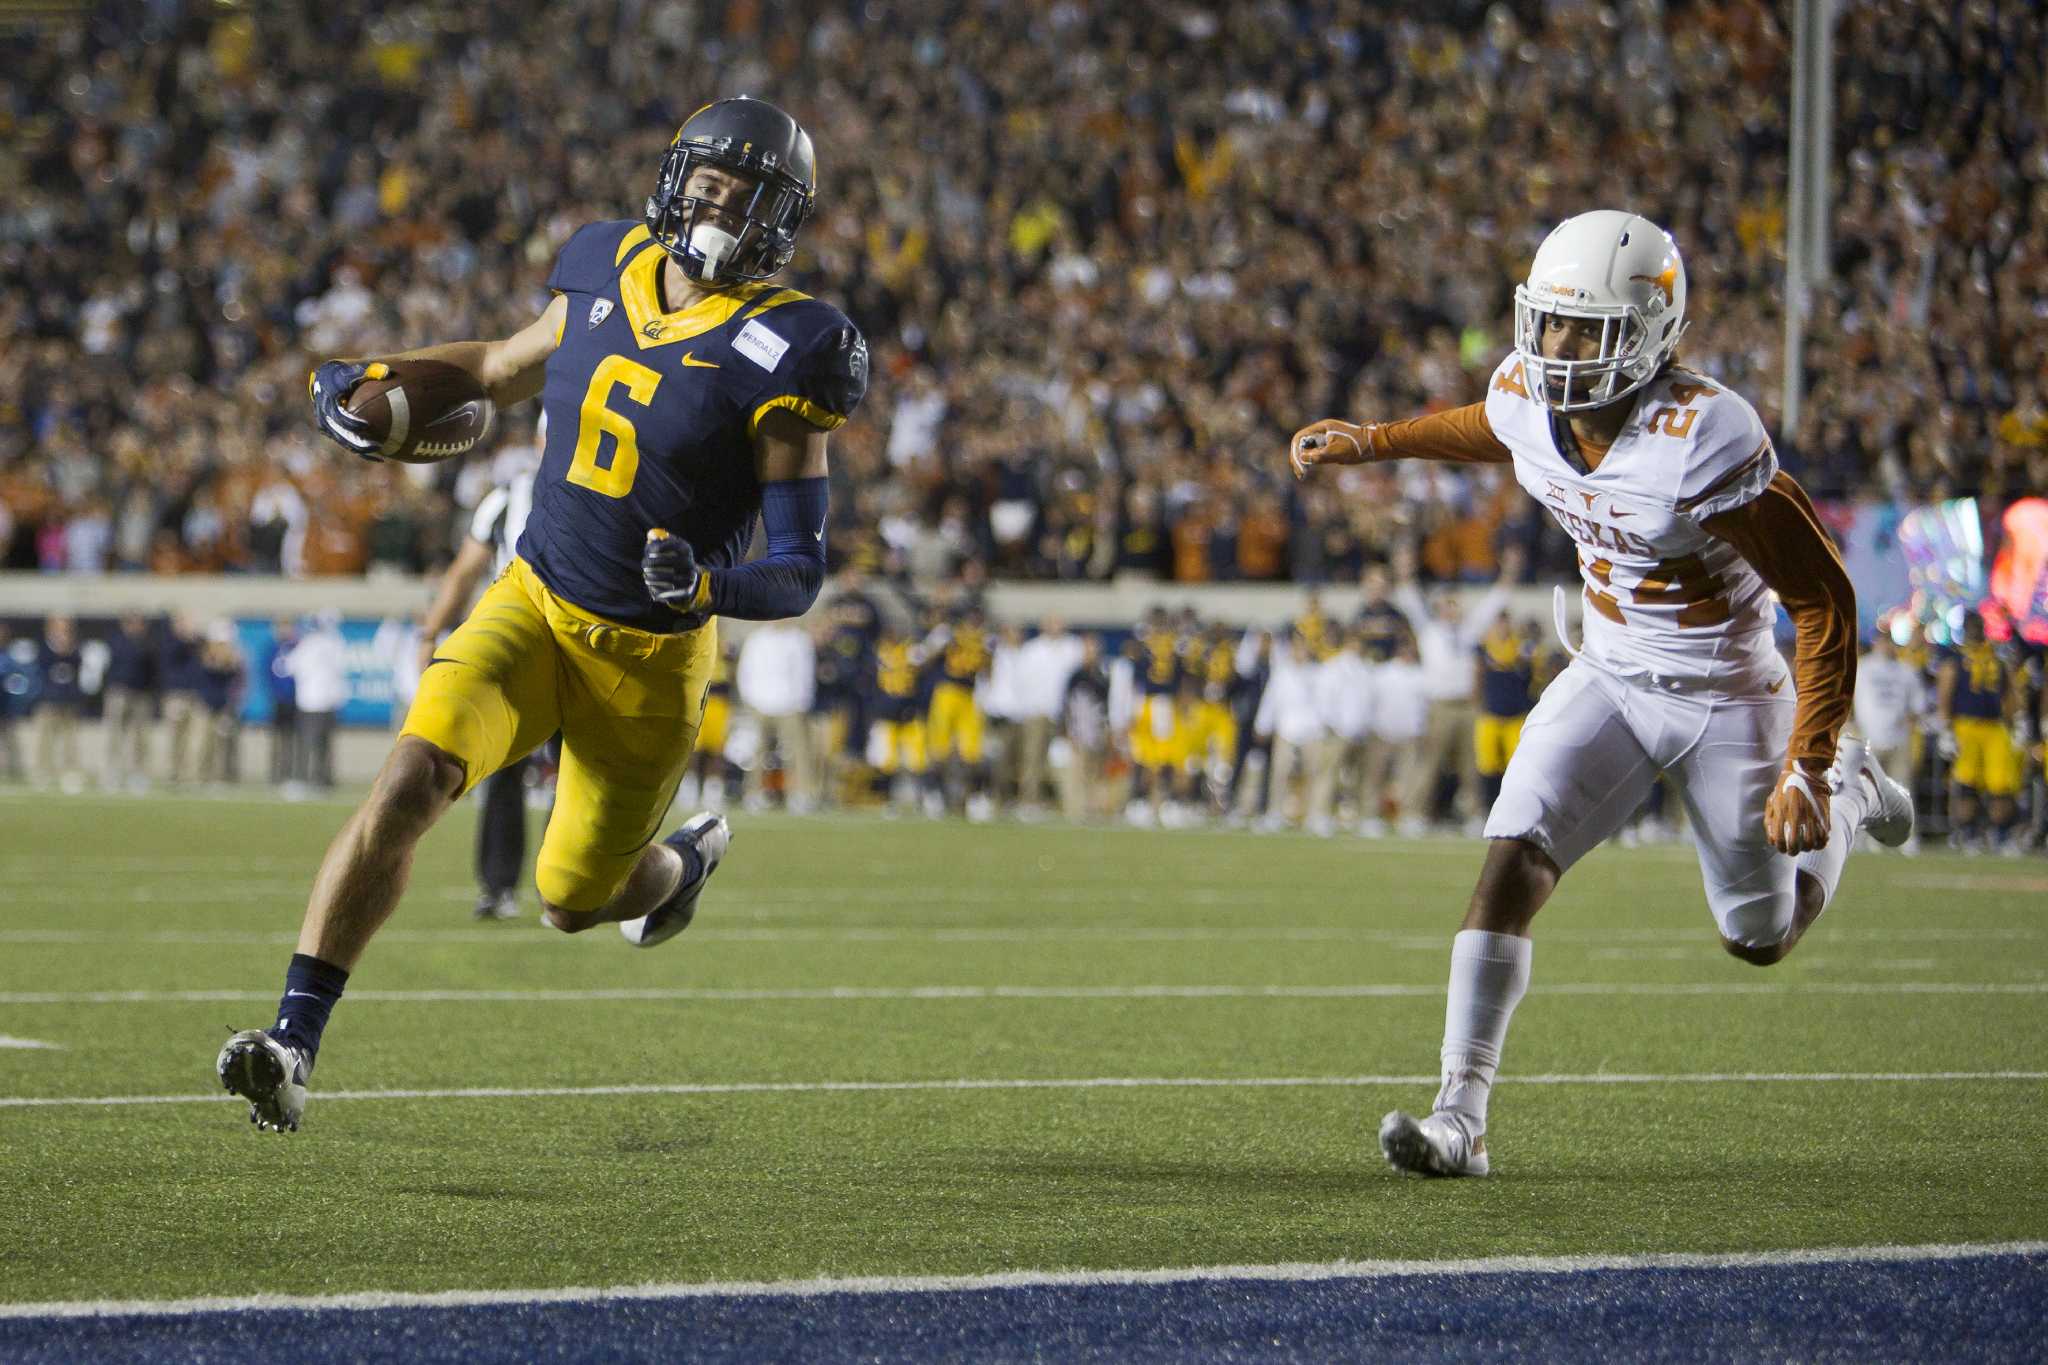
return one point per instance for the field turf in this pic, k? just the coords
(917, 1049)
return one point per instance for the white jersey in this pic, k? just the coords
(1666, 603)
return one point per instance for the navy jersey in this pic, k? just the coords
(966, 655)
(1982, 680)
(1157, 654)
(1507, 674)
(651, 416)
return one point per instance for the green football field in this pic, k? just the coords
(919, 1048)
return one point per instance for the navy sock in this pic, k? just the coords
(311, 988)
(693, 863)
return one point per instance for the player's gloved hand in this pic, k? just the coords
(1797, 816)
(1945, 742)
(668, 566)
(1330, 441)
(329, 386)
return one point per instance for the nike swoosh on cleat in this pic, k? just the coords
(690, 361)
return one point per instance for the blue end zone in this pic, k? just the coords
(1983, 1308)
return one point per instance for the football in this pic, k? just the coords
(422, 411)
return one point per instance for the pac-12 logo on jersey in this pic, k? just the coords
(600, 309)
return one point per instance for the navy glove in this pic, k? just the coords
(330, 386)
(668, 566)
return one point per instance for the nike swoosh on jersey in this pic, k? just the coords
(691, 362)
(1617, 513)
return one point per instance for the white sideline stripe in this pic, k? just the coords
(1306, 1272)
(1628, 945)
(510, 936)
(29, 1043)
(1083, 1083)
(739, 995)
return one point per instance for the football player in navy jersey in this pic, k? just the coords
(685, 395)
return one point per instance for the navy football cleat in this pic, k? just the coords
(704, 836)
(270, 1074)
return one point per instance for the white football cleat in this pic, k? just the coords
(1890, 818)
(271, 1075)
(1438, 1145)
(710, 836)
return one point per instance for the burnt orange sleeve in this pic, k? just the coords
(1780, 535)
(1462, 435)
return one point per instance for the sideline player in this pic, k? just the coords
(962, 652)
(896, 734)
(1669, 486)
(1978, 702)
(685, 395)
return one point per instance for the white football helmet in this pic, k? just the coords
(1619, 268)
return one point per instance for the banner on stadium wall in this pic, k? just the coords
(377, 659)
(1943, 547)
(1868, 533)
(2019, 576)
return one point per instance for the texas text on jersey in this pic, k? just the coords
(651, 415)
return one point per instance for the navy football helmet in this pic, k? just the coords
(755, 140)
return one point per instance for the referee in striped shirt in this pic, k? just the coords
(501, 829)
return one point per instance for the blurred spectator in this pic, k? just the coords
(1254, 666)
(776, 680)
(1890, 698)
(1001, 705)
(17, 692)
(1085, 736)
(1046, 665)
(185, 716)
(58, 701)
(318, 665)
(221, 692)
(1393, 766)
(1446, 637)
(285, 765)
(128, 701)
(1288, 714)
(1344, 687)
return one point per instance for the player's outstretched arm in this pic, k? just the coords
(1781, 537)
(1459, 435)
(511, 371)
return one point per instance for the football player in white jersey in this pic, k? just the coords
(1685, 529)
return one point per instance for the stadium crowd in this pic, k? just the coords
(1107, 255)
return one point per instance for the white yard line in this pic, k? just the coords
(1032, 1279)
(29, 1044)
(732, 995)
(1080, 1083)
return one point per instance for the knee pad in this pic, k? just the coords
(581, 884)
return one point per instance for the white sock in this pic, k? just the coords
(1847, 812)
(1489, 973)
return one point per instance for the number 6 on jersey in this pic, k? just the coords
(598, 417)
